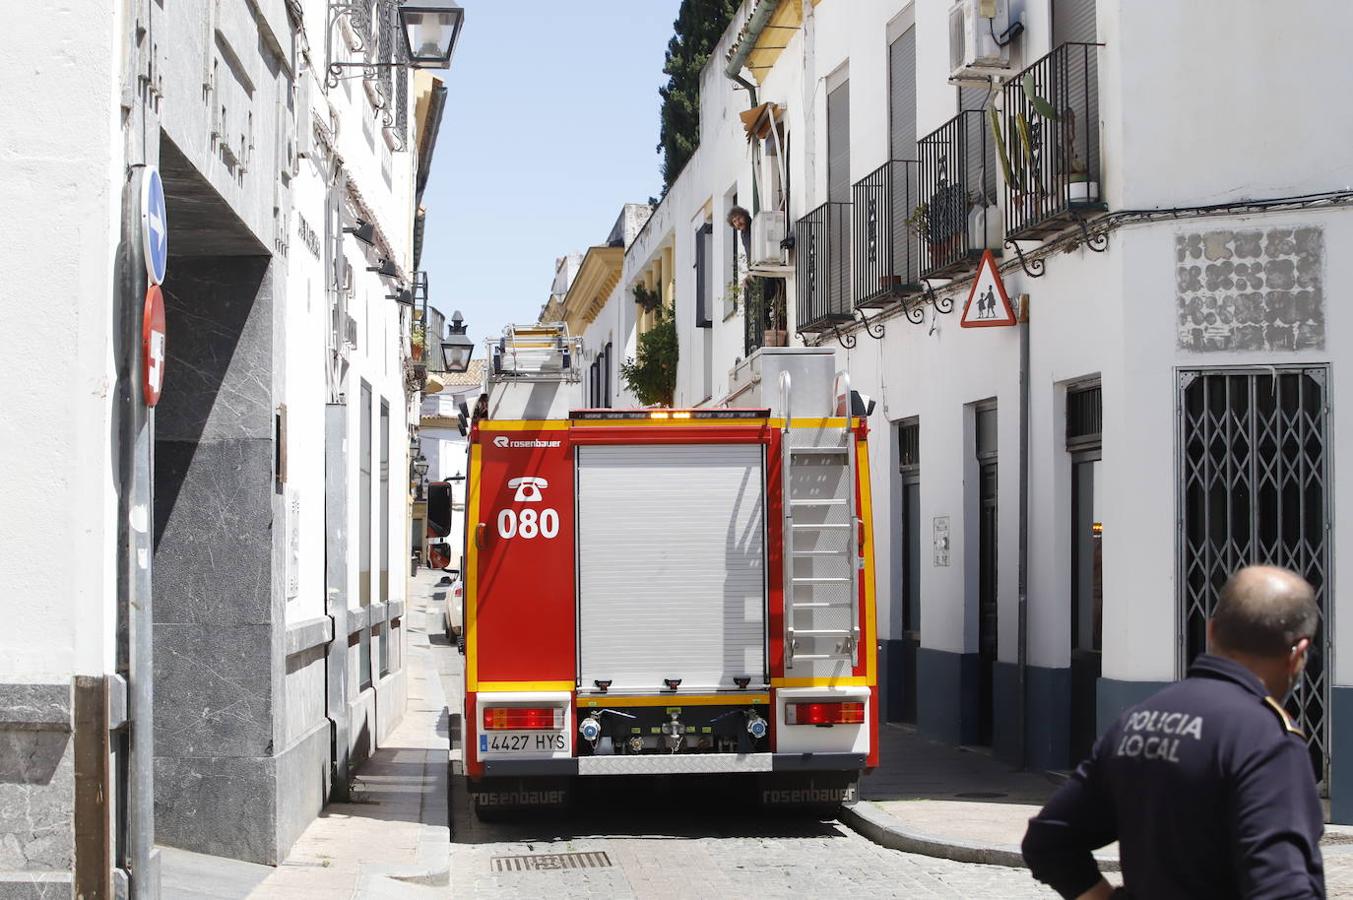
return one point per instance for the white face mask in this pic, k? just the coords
(1295, 678)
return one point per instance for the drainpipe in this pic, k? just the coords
(756, 24)
(1023, 529)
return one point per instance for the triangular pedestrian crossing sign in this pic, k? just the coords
(988, 305)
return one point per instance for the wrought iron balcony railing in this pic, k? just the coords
(1051, 137)
(887, 251)
(956, 216)
(822, 247)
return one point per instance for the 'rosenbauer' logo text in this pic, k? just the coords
(503, 442)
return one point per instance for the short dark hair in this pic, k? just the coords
(1264, 611)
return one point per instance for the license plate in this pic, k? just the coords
(517, 742)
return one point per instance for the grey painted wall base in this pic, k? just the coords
(1341, 761)
(1047, 720)
(37, 791)
(303, 786)
(897, 666)
(1112, 697)
(947, 707)
(23, 886)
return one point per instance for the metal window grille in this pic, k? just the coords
(402, 79)
(1084, 417)
(822, 244)
(909, 440)
(385, 51)
(1054, 163)
(1253, 481)
(956, 213)
(887, 250)
(986, 433)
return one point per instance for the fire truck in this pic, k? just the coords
(670, 592)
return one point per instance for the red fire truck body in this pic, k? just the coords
(666, 592)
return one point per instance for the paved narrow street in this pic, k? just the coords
(664, 841)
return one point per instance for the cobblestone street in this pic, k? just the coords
(651, 843)
(659, 856)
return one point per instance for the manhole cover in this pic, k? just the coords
(591, 860)
(980, 795)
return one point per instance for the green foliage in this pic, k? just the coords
(699, 25)
(648, 298)
(652, 377)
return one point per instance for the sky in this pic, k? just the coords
(550, 127)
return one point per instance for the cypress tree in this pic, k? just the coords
(699, 25)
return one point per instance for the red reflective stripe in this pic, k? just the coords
(825, 713)
(522, 718)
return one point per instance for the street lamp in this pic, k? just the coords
(431, 31)
(420, 466)
(456, 347)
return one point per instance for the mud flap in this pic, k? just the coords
(498, 798)
(808, 790)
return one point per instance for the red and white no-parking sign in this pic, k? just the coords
(152, 345)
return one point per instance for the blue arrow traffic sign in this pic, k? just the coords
(154, 225)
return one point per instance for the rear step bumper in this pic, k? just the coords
(677, 764)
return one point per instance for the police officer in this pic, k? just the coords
(1207, 786)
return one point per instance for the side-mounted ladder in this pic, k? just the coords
(821, 531)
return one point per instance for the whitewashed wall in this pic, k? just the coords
(1199, 103)
(64, 169)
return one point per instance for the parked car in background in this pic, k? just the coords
(453, 609)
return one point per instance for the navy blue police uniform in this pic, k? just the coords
(1208, 789)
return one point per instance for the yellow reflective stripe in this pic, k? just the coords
(506, 687)
(590, 701)
(867, 514)
(523, 425)
(825, 681)
(471, 573)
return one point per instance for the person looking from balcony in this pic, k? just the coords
(1207, 786)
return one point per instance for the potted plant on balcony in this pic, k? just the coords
(417, 341)
(941, 221)
(1079, 187)
(773, 301)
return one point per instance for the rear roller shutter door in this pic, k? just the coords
(671, 566)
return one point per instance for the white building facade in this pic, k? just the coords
(216, 590)
(1182, 355)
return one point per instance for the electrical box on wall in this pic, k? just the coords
(979, 40)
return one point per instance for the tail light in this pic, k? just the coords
(825, 713)
(523, 718)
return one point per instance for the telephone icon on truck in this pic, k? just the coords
(528, 489)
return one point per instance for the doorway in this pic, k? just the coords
(1084, 417)
(1253, 480)
(988, 523)
(909, 441)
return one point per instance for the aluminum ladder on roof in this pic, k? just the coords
(821, 530)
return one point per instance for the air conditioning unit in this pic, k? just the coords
(768, 230)
(350, 332)
(974, 52)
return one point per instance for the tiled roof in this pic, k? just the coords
(469, 378)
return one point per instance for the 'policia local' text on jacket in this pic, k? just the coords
(1207, 787)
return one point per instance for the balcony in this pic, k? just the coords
(957, 217)
(887, 251)
(822, 267)
(1051, 134)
